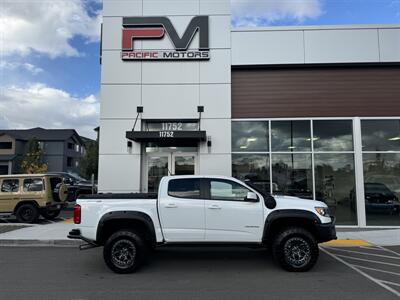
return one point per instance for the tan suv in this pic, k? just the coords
(29, 196)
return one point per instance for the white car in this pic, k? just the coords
(200, 210)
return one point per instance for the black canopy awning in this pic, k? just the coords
(167, 137)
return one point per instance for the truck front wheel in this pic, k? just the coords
(124, 251)
(295, 249)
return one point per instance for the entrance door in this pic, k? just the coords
(160, 164)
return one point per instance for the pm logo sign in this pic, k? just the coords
(140, 28)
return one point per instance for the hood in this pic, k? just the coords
(289, 202)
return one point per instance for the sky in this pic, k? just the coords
(49, 51)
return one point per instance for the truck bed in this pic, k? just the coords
(124, 196)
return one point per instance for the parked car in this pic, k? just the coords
(76, 185)
(29, 196)
(202, 210)
(379, 199)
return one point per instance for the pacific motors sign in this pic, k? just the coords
(139, 28)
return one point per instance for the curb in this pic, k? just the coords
(346, 243)
(40, 243)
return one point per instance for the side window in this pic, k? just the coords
(184, 188)
(10, 186)
(227, 190)
(33, 185)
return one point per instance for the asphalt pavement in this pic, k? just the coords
(182, 273)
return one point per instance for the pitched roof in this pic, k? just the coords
(42, 134)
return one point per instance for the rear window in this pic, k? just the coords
(33, 185)
(10, 186)
(184, 188)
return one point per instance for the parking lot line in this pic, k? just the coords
(363, 253)
(367, 260)
(68, 221)
(346, 243)
(378, 282)
(376, 270)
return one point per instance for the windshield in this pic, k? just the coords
(76, 177)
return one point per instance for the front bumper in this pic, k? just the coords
(326, 231)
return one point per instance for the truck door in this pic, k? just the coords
(181, 209)
(229, 217)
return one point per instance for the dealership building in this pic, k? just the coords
(312, 112)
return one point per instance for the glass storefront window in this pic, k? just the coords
(253, 167)
(292, 175)
(250, 136)
(382, 188)
(335, 185)
(290, 136)
(380, 135)
(333, 135)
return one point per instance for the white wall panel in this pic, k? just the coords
(170, 101)
(120, 101)
(114, 70)
(122, 8)
(267, 47)
(215, 7)
(220, 132)
(218, 68)
(215, 164)
(112, 33)
(170, 7)
(389, 41)
(216, 99)
(219, 27)
(171, 72)
(119, 173)
(117, 143)
(341, 46)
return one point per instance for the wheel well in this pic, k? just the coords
(140, 227)
(272, 229)
(25, 202)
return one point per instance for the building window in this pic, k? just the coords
(71, 146)
(69, 161)
(381, 160)
(250, 136)
(5, 145)
(311, 159)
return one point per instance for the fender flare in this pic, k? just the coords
(126, 215)
(287, 214)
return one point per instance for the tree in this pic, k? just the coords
(32, 161)
(89, 163)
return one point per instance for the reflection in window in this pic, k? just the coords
(292, 175)
(290, 136)
(227, 190)
(33, 185)
(380, 135)
(253, 167)
(249, 136)
(184, 188)
(382, 188)
(333, 135)
(10, 186)
(335, 185)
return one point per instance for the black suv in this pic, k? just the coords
(76, 185)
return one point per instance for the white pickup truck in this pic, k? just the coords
(202, 210)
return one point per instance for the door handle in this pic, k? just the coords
(214, 206)
(171, 205)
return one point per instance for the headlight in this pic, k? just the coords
(322, 211)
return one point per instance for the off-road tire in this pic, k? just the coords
(27, 213)
(295, 249)
(51, 215)
(124, 251)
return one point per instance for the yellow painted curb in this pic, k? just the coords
(69, 221)
(346, 243)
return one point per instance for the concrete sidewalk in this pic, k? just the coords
(56, 234)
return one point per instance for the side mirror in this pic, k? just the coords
(251, 197)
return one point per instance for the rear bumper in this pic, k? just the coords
(326, 232)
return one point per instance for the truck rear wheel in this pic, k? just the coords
(295, 249)
(124, 251)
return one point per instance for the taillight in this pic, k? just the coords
(77, 214)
